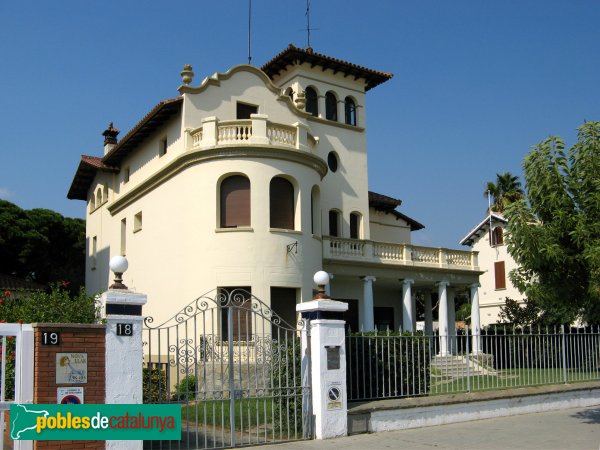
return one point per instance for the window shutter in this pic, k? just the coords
(235, 202)
(333, 223)
(354, 226)
(500, 275)
(281, 193)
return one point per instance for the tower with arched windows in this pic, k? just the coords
(257, 178)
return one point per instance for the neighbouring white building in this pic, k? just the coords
(496, 263)
(257, 178)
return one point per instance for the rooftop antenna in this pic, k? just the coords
(249, 28)
(308, 28)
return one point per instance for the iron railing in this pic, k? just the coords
(393, 365)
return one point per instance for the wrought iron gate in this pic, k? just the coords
(234, 366)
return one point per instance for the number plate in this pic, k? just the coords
(124, 329)
(50, 338)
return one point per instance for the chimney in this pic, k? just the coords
(110, 138)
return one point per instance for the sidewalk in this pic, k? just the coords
(569, 429)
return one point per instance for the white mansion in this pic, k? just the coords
(257, 178)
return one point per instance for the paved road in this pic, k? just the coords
(569, 429)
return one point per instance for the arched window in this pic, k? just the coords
(497, 236)
(289, 92)
(330, 106)
(355, 225)
(312, 102)
(281, 206)
(334, 223)
(235, 202)
(350, 108)
(99, 197)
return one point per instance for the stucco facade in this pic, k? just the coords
(496, 264)
(157, 196)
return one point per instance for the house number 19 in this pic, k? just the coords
(124, 329)
(50, 338)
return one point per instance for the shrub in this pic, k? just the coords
(186, 389)
(155, 388)
(387, 365)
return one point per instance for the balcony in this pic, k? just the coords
(258, 130)
(340, 249)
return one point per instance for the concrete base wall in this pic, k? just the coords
(371, 418)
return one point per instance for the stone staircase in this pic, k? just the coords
(455, 366)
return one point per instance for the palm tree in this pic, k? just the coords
(506, 190)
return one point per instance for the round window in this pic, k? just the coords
(332, 161)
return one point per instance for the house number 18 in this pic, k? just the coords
(124, 329)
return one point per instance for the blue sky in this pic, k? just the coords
(476, 84)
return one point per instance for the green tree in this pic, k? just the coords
(555, 236)
(57, 305)
(42, 244)
(504, 191)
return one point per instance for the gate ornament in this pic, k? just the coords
(233, 364)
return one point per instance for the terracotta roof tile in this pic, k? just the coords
(293, 55)
(389, 204)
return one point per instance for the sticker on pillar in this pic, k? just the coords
(334, 398)
(69, 396)
(71, 368)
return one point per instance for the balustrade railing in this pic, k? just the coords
(347, 247)
(388, 251)
(239, 131)
(341, 248)
(281, 135)
(428, 255)
(255, 130)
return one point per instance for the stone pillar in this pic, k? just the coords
(325, 349)
(428, 315)
(259, 129)
(475, 319)
(124, 355)
(407, 306)
(209, 132)
(452, 344)
(443, 316)
(368, 318)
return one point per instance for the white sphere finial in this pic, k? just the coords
(321, 278)
(118, 264)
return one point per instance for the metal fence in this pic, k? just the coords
(234, 366)
(389, 365)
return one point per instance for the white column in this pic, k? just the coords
(124, 354)
(443, 316)
(451, 321)
(475, 319)
(327, 367)
(321, 103)
(407, 305)
(428, 315)
(368, 319)
(414, 308)
(328, 285)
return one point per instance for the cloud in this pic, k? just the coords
(5, 193)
